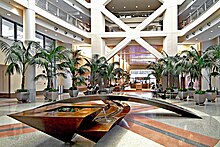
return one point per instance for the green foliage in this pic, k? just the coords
(48, 59)
(52, 90)
(182, 89)
(19, 56)
(71, 66)
(21, 90)
(199, 92)
(210, 90)
(212, 59)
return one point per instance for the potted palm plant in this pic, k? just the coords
(19, 57)
(211, 58)
(48, 59)
(181, 68)
(95, 65)
(72, 66)
(157, 70)
(197, 62)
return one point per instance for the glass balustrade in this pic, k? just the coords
(197, 13)
(53, 9)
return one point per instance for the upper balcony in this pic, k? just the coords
(65, 12)
(196, 13)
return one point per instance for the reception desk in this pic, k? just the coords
(138, 86)
(143, 85)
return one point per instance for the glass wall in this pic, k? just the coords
(8, 29)
(14, 31)
(19, 32)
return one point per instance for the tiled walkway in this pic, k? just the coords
(145, 125)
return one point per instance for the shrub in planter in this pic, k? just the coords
(52, 94)
(182, 93)
(211, 95)
(200, 97)
(191, 92)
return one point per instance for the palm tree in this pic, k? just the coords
(97, 64)
(19, 57)
(71, 65)
(157, 70)
(212, 65)
(168, 68)
(48, 60)
(197, 63)
(182, 68)
(110, 70)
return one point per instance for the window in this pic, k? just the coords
(48, 43)
(8, 29)
(19, 32)
(39, 38)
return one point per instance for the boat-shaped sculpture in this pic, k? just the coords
(64, 118)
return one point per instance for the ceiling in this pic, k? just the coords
(132, 5)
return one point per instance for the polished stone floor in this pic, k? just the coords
(145, 125)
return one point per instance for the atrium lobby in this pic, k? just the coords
(147, 54)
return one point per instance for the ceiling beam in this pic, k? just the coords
(151, 18)
(149, 47)
(117, 48)
(116, 20)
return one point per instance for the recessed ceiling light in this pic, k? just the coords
(55, 34)
(81, 17)
(136, 6)
(209, 38)
(148, 6)
(45, 30)
(8, 14)
(219, 27)
(211, 31)
(113, 7)
(124, 7)
(57, 1)
(196, 38)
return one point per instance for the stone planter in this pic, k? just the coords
(182, 95)
(52, 96)
(22, 96)
(73, 93)
(211, 96)
(191, 94)
(200, 99)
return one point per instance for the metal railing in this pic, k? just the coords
(197, 13)
(53, 9)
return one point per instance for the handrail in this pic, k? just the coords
(197, 13)
(66, 16)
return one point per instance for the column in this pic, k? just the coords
(170, 26)
(29, 35)
(97, 27)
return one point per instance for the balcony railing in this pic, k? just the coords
(197, 13)
(53, 9)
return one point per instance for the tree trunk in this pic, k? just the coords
(210, 82)
(23, 80)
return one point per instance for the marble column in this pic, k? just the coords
(29, 35)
